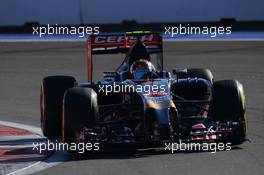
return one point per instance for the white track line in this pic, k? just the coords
(56, 158)
(165, 39)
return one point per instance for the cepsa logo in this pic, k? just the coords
(121, 39)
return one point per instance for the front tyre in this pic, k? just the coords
(229, 105)
(80, 109)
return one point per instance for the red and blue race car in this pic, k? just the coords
(140, 102)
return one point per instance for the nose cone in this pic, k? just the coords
(163, 123)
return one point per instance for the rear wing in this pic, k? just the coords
(120, 43)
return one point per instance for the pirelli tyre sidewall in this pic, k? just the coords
(229, 105)
(51, 96)
(80, 109)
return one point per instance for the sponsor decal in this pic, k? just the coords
(122, 39)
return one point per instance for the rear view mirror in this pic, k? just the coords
(177, 71)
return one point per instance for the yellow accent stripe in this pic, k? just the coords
(163, 105)
(241, 89)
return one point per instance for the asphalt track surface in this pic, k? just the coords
(23, 65)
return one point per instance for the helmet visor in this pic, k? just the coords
(140, 74)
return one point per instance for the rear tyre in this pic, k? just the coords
(80, 110)
(229, 105)
(199, 73)
(51, 96)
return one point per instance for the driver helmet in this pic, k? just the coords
(141, 69)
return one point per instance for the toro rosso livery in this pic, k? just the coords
(140, 102)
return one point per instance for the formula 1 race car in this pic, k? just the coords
(142, 103)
